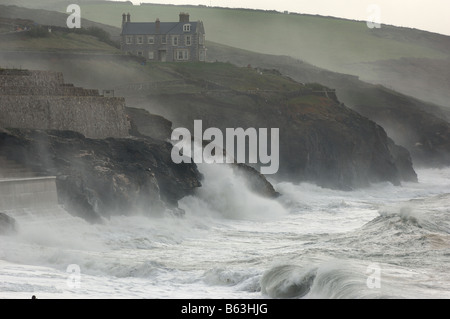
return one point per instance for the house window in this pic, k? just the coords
(175, 40)
(140, 40)
(201, 39)
(151, 55)
(163, 39)
(140, 53)
(182, 55)
(188, 40)
(129, 40)
(151, 40)
(187, 28)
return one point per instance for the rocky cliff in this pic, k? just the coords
(321, 140)
(421, 127)
(145, 124)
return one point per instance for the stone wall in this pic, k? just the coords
(94, 117)
(41, 100)
(41, 90)
(31, 78)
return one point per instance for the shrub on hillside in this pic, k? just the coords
(38, 32)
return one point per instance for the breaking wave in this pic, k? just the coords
(225, 194)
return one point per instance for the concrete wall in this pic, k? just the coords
(41, 100)
(27, 193)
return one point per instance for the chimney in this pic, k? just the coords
(128, 17)
(124, 19)
(158, 26)
(184, 17)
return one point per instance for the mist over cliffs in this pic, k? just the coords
(335, 131)
(423, 128)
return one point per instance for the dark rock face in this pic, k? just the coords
(336, 147)
(416, 125)
(403, 162)
(8, 225)
(99, 178)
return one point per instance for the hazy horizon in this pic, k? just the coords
(424, 15)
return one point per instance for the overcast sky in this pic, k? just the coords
(430, 15)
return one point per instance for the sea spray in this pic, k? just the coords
(225, 194)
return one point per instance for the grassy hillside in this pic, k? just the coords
(47, 17)
(324, 41)
(40, 4)
(56, 41)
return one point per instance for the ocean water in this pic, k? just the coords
(380, 242)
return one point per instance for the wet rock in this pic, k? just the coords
(8, 225)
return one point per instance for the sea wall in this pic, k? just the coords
(94, 117)
(27, 193)
(41, 100)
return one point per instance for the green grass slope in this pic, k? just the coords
(56, 41)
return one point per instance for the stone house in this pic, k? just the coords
(164, 41)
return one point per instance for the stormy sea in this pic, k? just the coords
(383, 241)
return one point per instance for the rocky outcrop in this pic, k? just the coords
(100, 178)
(7, 225)
(145, 124)
(403, 162)
(424, 134)
(256, 181)
(336, 147)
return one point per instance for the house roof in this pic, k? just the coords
(132, 28)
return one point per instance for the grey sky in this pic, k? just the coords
(430, 15)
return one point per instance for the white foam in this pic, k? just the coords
(225, 194)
